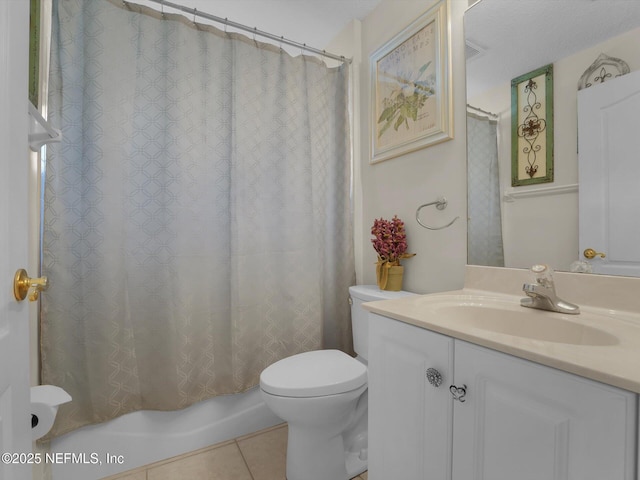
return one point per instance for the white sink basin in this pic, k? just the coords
(509, 318)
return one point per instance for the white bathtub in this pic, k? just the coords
(144, 437)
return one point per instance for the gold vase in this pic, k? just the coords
(389, 277)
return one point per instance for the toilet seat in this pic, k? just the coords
(314, 374)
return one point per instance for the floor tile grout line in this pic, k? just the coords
(244, 460)
(260, 432)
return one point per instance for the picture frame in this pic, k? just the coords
(532, 127)
(411, 97)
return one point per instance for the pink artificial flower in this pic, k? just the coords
(390, 240)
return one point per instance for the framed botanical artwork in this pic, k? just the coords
(411, 104)
(532, 127)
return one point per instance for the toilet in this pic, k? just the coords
(322, 395)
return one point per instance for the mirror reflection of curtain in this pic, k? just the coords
(484, 240)
(197, 213)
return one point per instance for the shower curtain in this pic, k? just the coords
(484, 236)
(197, 221)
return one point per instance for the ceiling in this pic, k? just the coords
(314, 22)
(515, 37)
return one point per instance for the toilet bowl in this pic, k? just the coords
(322, 390)
(322, 395)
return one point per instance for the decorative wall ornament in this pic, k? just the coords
(532, 127)
(411, 87)
(602, 69)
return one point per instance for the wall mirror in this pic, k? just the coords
(520, 226)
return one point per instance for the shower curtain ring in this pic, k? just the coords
(226, 20)
(195, 12)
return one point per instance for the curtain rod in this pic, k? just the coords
(254, 30)
(471, 107)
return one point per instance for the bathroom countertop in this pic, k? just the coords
(616, 363)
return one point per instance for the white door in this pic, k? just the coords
(609, 165)
(15, 416)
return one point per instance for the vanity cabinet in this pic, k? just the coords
(513, 419)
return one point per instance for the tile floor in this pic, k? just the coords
(258, 456)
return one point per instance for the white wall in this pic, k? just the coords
(401, 184)
(527, 222)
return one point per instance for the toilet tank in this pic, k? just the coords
(360, 294)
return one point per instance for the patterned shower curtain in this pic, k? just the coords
(197, 221)
(484, 235)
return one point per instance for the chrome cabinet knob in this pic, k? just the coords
(434, 377)
(458, 392)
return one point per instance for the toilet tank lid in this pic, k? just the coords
(314, 374)
(370, 293)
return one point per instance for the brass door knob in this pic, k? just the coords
(591, 253)
(22, 284)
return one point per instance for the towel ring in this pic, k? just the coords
(441, 204)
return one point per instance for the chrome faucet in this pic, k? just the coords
(542, 293)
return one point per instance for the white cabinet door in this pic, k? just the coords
(409, 419)
(531, 422)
